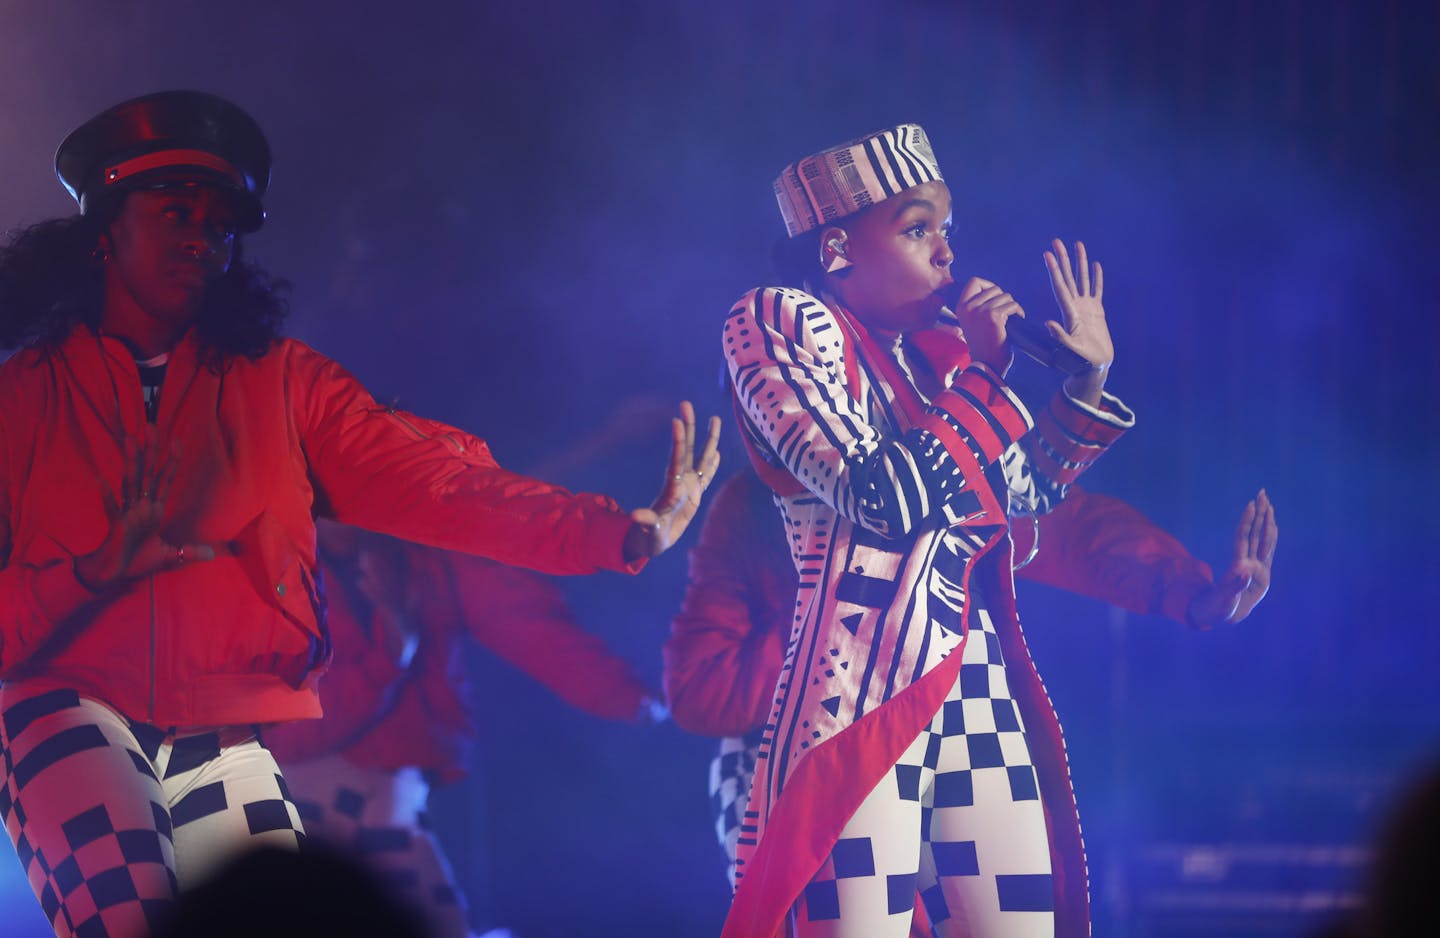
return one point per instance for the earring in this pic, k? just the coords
(837, 260)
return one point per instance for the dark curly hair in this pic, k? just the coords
(51, 282)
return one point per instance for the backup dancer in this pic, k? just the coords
(397, 718)
(163, 455)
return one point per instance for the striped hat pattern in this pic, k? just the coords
(843, 180)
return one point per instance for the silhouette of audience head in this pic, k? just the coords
(283, 894)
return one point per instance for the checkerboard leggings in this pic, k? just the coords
(379, 815)
(732, 773)
(110, 818)
(959, 818)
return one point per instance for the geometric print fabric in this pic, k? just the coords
(110, 818)
(378, 815)
(958, 821)
(732, 773)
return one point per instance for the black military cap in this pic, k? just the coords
(166, 139)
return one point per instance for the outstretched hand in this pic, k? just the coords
(1085, 332)
(1231, 597)
(133, 547)
(655, 529)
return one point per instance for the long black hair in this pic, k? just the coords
(51, 282)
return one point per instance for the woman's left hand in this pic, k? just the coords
(1230, 598)
(655, 529)
(1085, 331)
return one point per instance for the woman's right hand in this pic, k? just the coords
(133, 547)
(982, 311)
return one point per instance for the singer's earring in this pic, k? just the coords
(837, 259)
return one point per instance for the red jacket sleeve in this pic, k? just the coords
(1103, 548)
(525, 620)
(727, 644)
(420, 480)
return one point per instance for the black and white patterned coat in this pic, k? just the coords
(892, 508)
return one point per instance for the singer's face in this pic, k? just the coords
(900, 254)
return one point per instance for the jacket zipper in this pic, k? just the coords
(447, 437)
(120, 429)
(153, 630)
(150, 580)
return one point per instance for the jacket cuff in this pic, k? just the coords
(1072, 434)
(1176, 599)
(604, 542)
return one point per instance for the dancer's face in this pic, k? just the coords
(164, 250)
(900, 255)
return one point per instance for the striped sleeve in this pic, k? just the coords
(1071, 435)
(786, 353)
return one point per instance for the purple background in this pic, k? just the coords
(529, 218)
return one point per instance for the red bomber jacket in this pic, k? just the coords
(383, 712)
(261, 447)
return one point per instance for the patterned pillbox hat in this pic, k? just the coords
(843, 180)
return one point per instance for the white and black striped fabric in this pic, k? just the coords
(881, 581)
(892, 512)
(847, 178)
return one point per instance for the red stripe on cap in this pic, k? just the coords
(163, 158)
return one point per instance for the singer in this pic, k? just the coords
(911, 745)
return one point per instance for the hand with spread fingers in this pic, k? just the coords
(655, 529)
(1079, 292)
(133, 547)
(1232, 596)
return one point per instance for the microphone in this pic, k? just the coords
(1029, 337)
